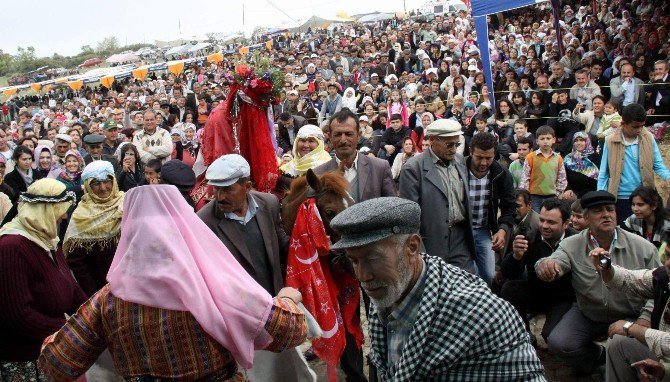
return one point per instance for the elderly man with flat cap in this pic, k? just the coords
(249, 225)
(437, 179)
(429, 321)
(94, 146)
(597, 307)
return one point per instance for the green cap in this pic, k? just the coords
(109, 125)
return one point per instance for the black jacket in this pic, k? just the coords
(501, 191)
(554, 291)
(15, 181)
(283, 139)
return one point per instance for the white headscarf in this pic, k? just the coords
(349, 101)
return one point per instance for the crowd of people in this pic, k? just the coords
(543, 188)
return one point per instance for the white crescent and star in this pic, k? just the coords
(310, 260)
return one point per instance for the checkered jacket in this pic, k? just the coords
(462, 332)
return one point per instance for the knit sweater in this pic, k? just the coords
(544, 176)
(35, 292)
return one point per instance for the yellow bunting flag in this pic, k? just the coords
(244, 50)
(140, 73)
(36, 87)
(268, 45)
(216, 57)
(76, 85)
(176, 67)
(107, 81)
(48, 87)
(10, 91)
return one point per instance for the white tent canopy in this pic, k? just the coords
(199, 46)
(178, 49)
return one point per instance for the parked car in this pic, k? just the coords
(90, 62)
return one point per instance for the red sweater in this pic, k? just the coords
(35, 292)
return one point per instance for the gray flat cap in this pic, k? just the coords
(94, 139)
(227, 170)
(374, 220)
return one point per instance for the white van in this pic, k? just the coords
(450, 7)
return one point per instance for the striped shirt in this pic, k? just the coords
(153, 342)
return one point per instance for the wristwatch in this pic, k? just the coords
(626, 327)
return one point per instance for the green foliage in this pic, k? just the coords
(25, 60)
(108, 45)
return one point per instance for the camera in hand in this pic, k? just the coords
(523, 230)
(605, 261)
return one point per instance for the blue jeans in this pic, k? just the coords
(537, 200)
(485, 258)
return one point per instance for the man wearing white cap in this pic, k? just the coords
(62, 146)
(249, 225)
(437, 180)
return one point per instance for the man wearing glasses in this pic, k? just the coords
(437, 179)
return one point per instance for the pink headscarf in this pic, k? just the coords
(168, 258)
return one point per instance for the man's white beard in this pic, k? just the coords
(394, 291)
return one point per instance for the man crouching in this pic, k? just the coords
(429, 321)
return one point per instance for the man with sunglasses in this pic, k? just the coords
(437, 179)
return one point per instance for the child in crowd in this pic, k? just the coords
(152, 172)
(577, 220)
(482, 127)
(523, 147)
(543, 172)
(609, 121)
(397, 106)
(520, 132)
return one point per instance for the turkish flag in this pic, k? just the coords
(308, 271)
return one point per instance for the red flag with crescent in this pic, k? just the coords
(308, 271)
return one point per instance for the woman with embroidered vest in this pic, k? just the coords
(171, 310)
(94, 229)
(649, 218)
(629, 160)
(36, 286)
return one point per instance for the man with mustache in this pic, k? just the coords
(369, 177)
(249, 225)
(573, 337)
(429, 321)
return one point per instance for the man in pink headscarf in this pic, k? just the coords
(177, 306)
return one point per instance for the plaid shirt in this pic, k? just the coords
(479, 193)
(400, 321)
(462, 332)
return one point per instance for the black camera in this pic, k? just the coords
(605, 261)
(523, 230)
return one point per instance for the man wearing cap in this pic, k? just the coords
(437, 179)
(406, 63)
(180, 175)
(428, 320)
(62, 146)
(111, 131)
(596, 308)
(249, 224)
(93, 143)
(331, 104)
(152, 142)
